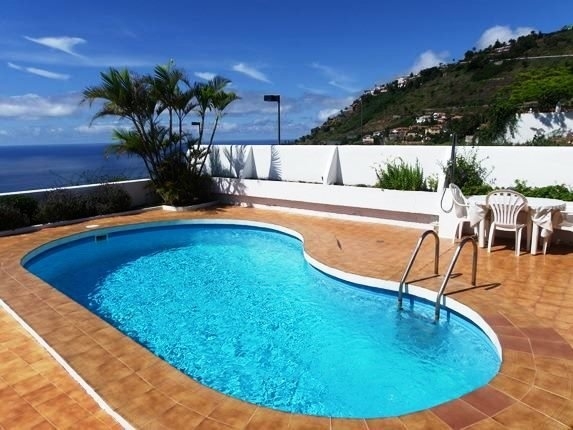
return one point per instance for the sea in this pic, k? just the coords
(31, 167)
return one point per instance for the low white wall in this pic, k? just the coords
(346, 164)
(137, 189)
(546, 124)
(417, 208)
(355, 165)
(537, 165)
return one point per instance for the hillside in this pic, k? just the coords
(477, 96)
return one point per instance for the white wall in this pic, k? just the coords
(355, 165)
(549, 124)
(137, 190)
(538, 165)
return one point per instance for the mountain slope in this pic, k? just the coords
(478, 95)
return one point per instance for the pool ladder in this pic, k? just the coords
(448, 273)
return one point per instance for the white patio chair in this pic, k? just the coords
(565, 224)
(461, 206)
(505, 206)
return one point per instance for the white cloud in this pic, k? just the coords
(96, 128)
(342, 87)
(335, 78)
(328, 71)
(40, 72)
(250, 72)
(311, 90)
(324, 114)
(205, 75)
(226, 127)
(429, 59)
(65, 44)
(501, 33)
(34, 106)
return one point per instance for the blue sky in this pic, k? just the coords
(319, 56)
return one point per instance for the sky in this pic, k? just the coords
(318, 56)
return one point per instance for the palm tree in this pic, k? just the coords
(128, 97)
(156, 107)
(219, 100)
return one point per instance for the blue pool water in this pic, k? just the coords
(240, 310)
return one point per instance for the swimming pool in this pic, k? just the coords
(239, 309)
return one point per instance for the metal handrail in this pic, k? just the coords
(451, 268)
(413, 257)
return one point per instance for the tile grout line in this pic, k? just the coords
(75, 376)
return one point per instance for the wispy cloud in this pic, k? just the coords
(335, 78)
(311, 90)
(429, 59)
(65, 44)
(205, 75)
(501, 33)
(96, 128)
(34, 106)
(328, 71)
(343, 87)
(324, 114)
(251, 72)
(40, 72)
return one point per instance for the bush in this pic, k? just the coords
(180, 185)
(27, 206)
(61, 205)
(469, 174)
(11, 218)
(560, 192)
(107, 199)
(398, 175)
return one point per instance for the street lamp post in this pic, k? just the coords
(361, 120)
(198, 124)
(276, 98)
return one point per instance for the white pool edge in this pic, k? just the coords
(382, 284)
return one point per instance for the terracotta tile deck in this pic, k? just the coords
(528, 301)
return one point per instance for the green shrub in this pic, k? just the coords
(560, 192)
(12, 218)
(61, 205)
(469, 174)
(107, 199)
(180, 185)
(27, 206)
(399, 175)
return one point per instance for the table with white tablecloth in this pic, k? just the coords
(543, 213)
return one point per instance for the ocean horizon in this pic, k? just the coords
(39, 166)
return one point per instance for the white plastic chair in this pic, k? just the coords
(565, 224)
(461, 206)
(505, 206)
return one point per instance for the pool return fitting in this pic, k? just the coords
(448, 273)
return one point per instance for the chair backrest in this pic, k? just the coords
(460, 201)
(505, 206)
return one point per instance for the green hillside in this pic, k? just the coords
(476, 96)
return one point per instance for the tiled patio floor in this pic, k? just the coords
(528, 300)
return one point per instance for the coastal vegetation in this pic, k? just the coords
(17, 211)
(478, 96)
(157, 112)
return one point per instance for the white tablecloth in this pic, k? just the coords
(544, 213)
